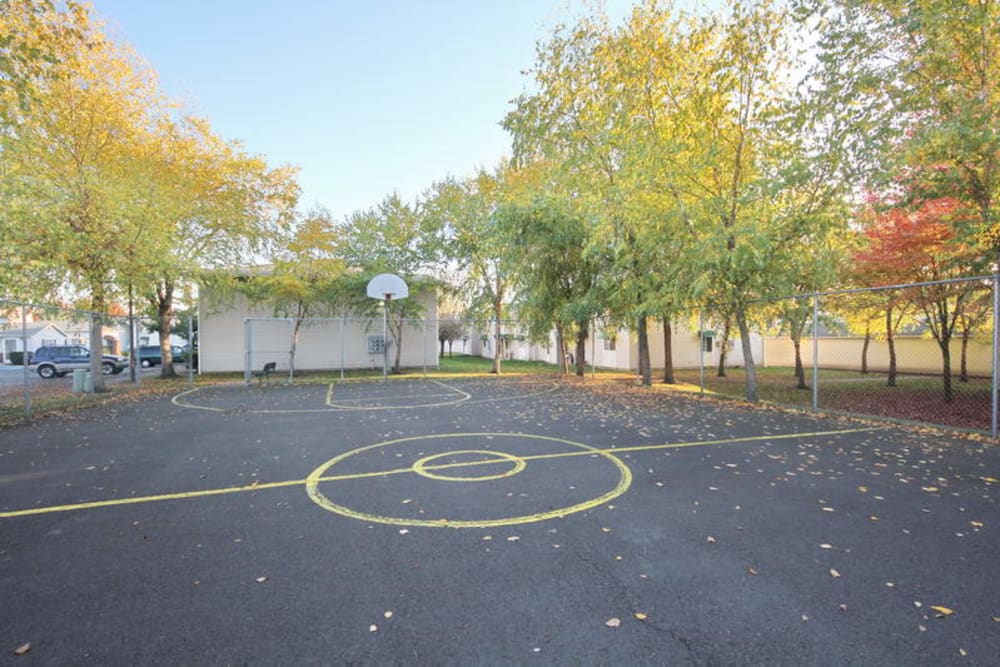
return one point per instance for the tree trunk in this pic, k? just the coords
(164, 308)
(963, 364)
(582, 333)
(723, 348)
(97, 342)
(800, 371)
(751, 370)
(645, 372)
(450, 343)
(560, 349)
(864, 348)
(945, 345)
(891, 382)
(441, 340)
(668, 352)
(396, 328)
(295, 345)
(499, 339)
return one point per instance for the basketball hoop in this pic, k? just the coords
(386, 287)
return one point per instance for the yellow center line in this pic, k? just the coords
(409, 469)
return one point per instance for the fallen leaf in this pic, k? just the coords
(613, 622)
(889, 584)
(996, 619)
(825, 546)
(641, 616)
(513, 538)
(829, 509)
(962, 652)
(752, 571)
(372, 628)
(710, 539)
(23, 648)
(606, 530)
(943, 611)
(403, 531)
(863, 489)
(804, 618)
(922, 628)
(261, 580)
(834, 573)
(842, 607)
(487, 538)
(388, 614)
(976, 524)
(917, 604)
(929, 489)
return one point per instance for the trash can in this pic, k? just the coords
(88, 383)
(78, 379)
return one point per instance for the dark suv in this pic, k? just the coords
(58, 360)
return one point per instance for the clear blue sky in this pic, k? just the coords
(365, 96)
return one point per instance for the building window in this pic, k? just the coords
(609, 344)
(707, 345)
(46, 342)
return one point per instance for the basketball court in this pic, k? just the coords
(491, 520)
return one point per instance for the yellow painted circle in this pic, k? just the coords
(320, 475)
(420, 467)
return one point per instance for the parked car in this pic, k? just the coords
(150, 355)
(58, 360)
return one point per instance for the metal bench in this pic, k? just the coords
(265, 373)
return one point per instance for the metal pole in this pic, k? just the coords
(385, 339)
(133, 359)
(291, 357)
(131, 337)
(425, 348)
(248, 343)
(341, 347)
(815, 397)
(190, 354)
(701, 352)
(996, 355)
(24, 360)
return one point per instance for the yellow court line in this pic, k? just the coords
(463, 396)
(331, 406)
(409, 469)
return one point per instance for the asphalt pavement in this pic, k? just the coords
(482, 521)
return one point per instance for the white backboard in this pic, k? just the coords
(387, 286)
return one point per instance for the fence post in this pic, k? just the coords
(815, 327)
(996, 355)
(190, 354)
(248, 342)
(701, 352)
(24, 360)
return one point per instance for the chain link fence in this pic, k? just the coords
(45, 355)
(922, 352)
(335, 345)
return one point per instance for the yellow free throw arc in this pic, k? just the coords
(426, 466)
(421, 467)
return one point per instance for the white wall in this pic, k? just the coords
(222, 335)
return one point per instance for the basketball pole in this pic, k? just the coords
(385, 338)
